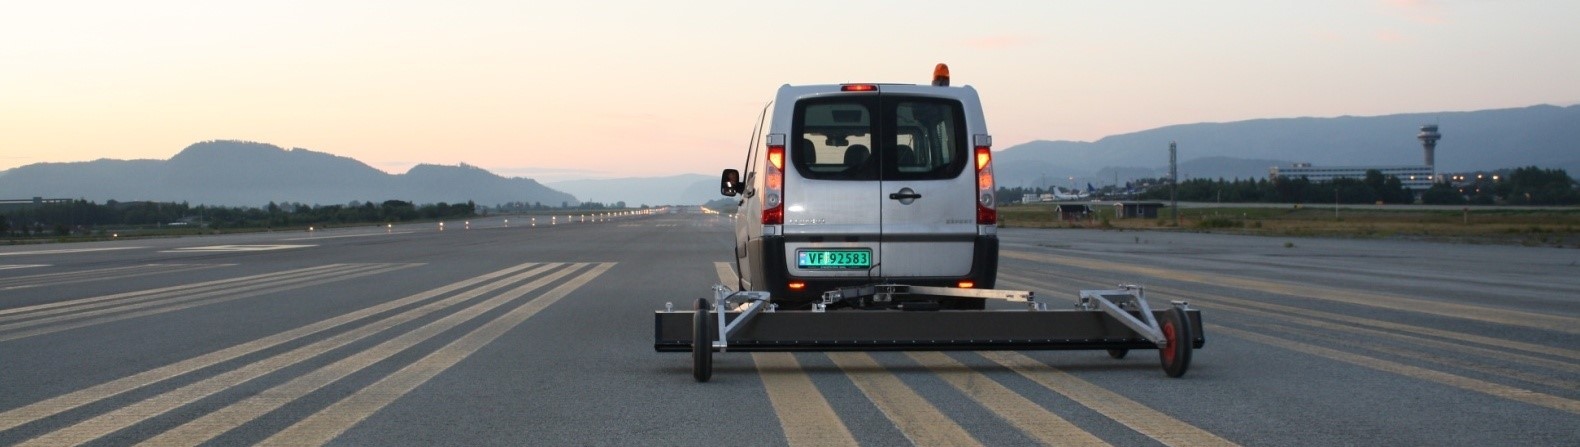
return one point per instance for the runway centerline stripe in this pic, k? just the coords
(1032, 419)
(56, 405)
(329, 423)
(206, 299)
(1416, 372)
(804, 413)
(918, 419)
(218, 422)
(1557, 323)
(1141, 418)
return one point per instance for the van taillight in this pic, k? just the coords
(773, 187)
(987, 214)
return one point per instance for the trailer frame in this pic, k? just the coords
(1117, 320)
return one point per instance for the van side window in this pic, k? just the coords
(835, 140)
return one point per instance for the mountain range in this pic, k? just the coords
(684, 189)
(238, 173)
(1543, 135)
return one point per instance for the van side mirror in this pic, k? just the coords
(730, 183)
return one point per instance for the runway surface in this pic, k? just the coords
(488, 333)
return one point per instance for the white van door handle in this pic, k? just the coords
(905, 196)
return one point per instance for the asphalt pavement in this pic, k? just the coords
(523, 332)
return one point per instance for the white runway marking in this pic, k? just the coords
(20, 266)
(66, 250)
(345, 235)
(228, 248)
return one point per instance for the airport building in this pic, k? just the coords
(1414, 178)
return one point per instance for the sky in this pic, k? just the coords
(602, 89)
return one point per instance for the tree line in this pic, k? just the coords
(1520, 186)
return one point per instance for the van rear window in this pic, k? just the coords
(872, 137)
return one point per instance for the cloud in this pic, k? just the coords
(999, 42)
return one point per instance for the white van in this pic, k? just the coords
(855, 184)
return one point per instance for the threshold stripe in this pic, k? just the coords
(71, 401)
(1416, 372)
(222, 420)
(1556, 323)
(918, 419)
(327, 424)
(1032, 419)
(804, 413)
(1141, 418)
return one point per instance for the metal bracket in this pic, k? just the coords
(1118, 303)
(750, 303)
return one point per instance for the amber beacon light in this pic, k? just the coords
(941, 75)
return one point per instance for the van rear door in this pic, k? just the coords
(832, 212)
(928, 203)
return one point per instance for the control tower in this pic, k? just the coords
(1429, 137)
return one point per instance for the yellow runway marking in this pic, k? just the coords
(1138, 417)
(326, 424)
(803, 411)
(1032, 419)
(1568, 325)
(917, 418)
(218, 422)
(1461, 382)
(70, 401)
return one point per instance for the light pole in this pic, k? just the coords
(1174, 182)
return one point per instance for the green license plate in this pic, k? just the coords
(834, 259)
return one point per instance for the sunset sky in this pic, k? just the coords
(594, 89)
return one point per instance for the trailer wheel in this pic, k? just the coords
(1118, 353)
(701, 343)
(1175, 353)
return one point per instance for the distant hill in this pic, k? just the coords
(239, 173)
(1544, 135)
(684, 189)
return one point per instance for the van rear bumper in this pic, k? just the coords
(770, 253)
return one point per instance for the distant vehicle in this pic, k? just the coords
(852, 184)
